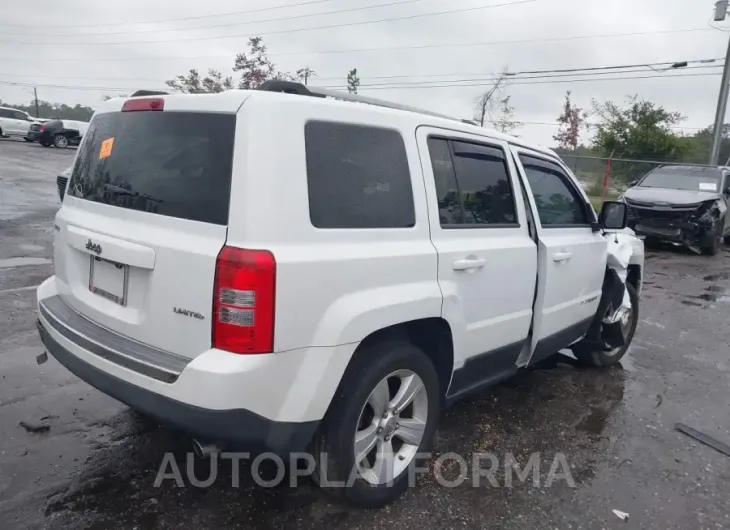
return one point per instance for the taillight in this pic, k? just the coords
(43, 127)
(244, 300)
(140, 104)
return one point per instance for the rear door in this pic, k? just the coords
(571, 256)
(144, 218)
(487, 262)
(22, 124)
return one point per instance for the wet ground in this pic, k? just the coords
(72, 458)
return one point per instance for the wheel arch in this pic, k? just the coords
(634, 277)
(432, 335)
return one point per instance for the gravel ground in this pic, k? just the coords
(93, 462)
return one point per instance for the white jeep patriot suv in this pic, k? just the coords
(291, 270)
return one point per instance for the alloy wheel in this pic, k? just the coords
(391, 427)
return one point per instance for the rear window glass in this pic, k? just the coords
(176, 164)
(357, 177)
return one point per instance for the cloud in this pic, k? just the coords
(149, 64)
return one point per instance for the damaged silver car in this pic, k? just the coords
(685, 205)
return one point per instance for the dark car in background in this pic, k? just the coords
(59, 133)
(686, 205)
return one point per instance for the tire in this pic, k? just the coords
(60, 141)
(353, 410)
(608, 358)
(714, 247)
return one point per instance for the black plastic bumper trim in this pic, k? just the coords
(158, 364)
(239, 428)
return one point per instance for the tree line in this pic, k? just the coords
(59, 111)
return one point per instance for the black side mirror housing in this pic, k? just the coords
(633, 183)
(614, 215)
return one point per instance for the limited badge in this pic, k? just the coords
(106, 148)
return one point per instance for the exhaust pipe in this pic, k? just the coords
(203, 450)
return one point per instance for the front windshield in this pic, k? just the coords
(683, 178)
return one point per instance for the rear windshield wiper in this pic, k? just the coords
(123, 191)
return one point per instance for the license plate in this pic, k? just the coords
(108, 279)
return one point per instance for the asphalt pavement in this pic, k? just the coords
(71, 457)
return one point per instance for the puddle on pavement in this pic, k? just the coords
(718, 276)
(715, 293)
(595, 422)
(22, 262)
(691, 303)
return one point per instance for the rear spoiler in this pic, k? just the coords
(148, 93)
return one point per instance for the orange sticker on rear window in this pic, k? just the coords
(106, 148)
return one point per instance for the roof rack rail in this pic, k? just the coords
(291, 87)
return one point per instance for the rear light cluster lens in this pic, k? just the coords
(43, 127)
(244, 301)
(141, 104)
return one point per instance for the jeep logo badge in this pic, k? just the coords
(93, 247)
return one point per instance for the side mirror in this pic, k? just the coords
(614, 215)
(633, 183)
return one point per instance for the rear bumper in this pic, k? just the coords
(271, 402)
(240, 428)
(33, 135)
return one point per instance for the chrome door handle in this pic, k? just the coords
(467, 263)
(562, 256)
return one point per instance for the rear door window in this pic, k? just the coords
(472, 184)
(357, 177)
(176, 164)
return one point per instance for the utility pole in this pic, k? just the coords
(720, 14)
(305, 73)
(37, 112)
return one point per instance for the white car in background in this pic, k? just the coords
(14, 122)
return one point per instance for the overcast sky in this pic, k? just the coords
(85, 43)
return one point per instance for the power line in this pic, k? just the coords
(587, 71)
(228, 24)
(388, 49)
(509, 80)
(388, 87)
(74, 87)
(196, 17)
(512, 81)
(590, 68)
(553, 81)
(277, 32)
(555, 124)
